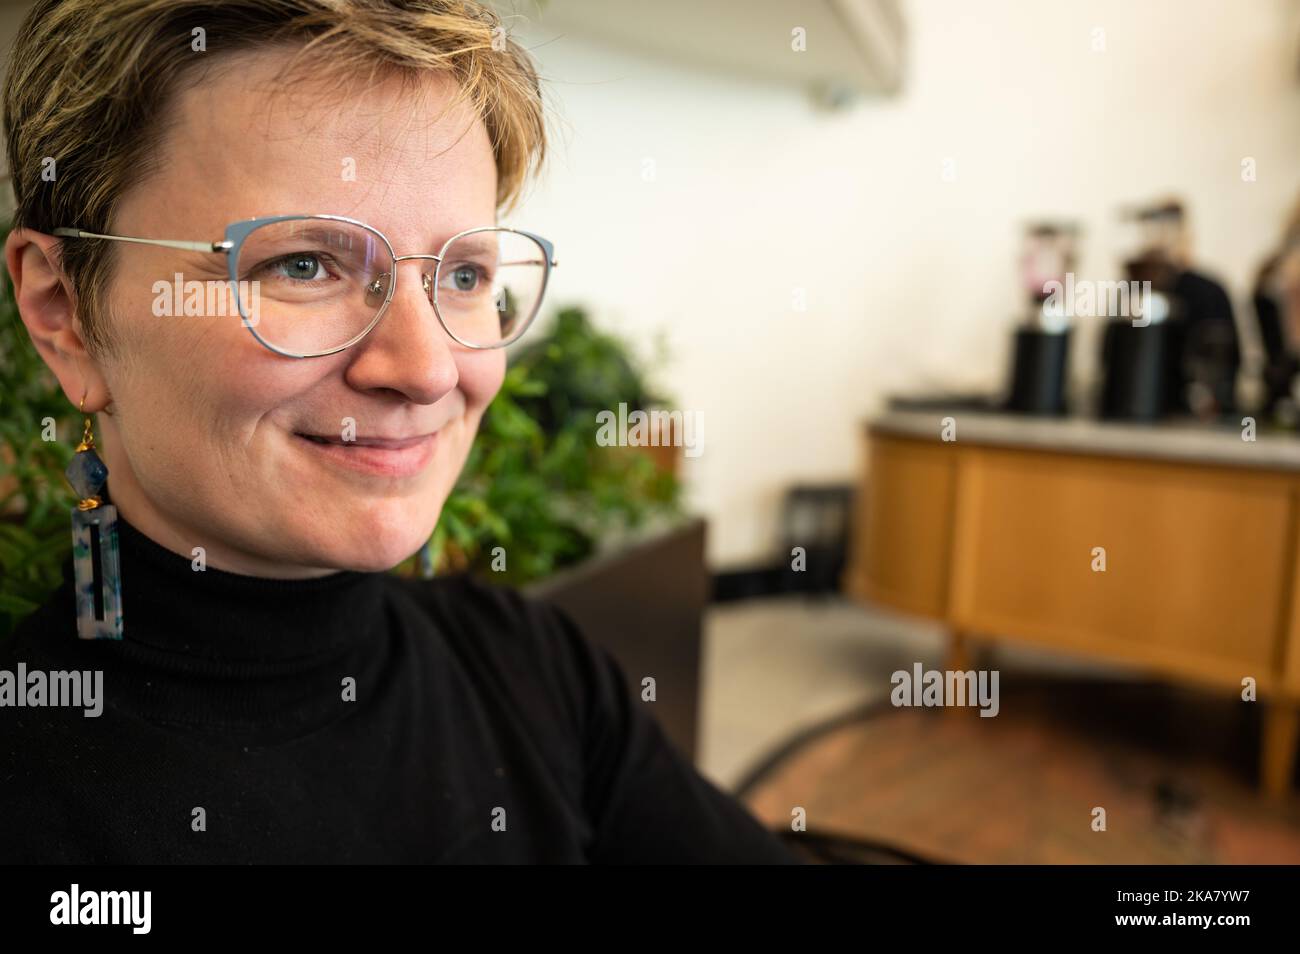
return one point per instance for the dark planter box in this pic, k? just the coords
(645, 602)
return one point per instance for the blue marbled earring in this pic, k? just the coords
(94, 545)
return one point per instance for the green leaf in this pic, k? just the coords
(16, 604)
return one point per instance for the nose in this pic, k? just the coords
(408, 352)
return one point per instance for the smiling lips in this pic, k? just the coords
(376, 456)
(392, 443)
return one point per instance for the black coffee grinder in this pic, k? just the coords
(1138, 345)
(1041, 347)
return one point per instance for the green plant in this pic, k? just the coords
(535, 482)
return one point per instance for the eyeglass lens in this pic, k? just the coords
(311, 285)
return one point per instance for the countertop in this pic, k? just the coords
(1189, 441)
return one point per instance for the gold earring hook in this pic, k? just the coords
(87, 435)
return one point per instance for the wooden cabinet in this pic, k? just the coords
(1005, 543)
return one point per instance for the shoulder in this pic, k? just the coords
(470, 609)
(503, 634)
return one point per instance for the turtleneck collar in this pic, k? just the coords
(218, 615)
(256, 658)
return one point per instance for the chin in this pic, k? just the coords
(368, 553)
(378, 539)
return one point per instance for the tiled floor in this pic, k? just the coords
(776, 666)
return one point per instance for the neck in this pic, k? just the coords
(178, 537)
(169, 602)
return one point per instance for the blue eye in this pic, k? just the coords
(465, 278)
(302, 266)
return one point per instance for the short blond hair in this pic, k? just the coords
(89, 82)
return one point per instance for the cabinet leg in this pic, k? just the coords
(957, 659)
(959, 652)
(1281, 731)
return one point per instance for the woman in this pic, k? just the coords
(269, 692)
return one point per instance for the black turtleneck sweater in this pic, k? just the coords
(484, 727)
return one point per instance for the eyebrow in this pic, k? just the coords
(477, 245)
(323, 233)
(472, 244)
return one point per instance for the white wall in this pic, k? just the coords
(910, 279)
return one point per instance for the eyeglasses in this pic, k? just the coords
(312, 285)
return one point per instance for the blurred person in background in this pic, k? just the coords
(1276, 299)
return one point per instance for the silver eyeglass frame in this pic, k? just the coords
(237, 232)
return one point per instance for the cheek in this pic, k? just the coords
(481, 374)
(182, 369)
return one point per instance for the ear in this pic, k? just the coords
(48, 306)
